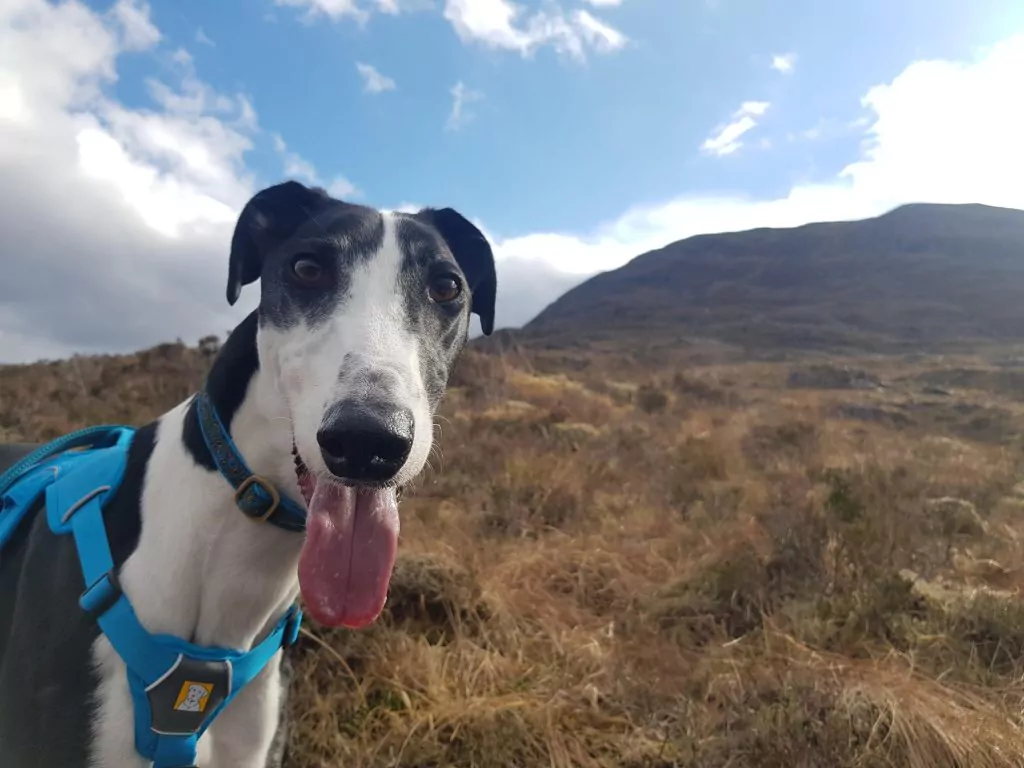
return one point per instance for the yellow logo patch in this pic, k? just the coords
(193, 697)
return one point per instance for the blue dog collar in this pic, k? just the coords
(256, 496)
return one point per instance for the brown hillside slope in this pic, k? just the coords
(939, 277)
(613, 564)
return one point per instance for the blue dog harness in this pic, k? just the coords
(177, 688)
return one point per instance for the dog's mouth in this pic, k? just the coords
(349, 551)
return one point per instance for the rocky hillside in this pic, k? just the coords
(934, 277)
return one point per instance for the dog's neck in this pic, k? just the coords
(251, 407)
(207, 572)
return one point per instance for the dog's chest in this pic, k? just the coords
(202, 571)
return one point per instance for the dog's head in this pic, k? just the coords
(362, 317)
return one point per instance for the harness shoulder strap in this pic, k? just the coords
(24, 482)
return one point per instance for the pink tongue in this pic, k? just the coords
(350, 547)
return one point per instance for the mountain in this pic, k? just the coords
(920, 277)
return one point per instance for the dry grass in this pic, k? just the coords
(615, 565)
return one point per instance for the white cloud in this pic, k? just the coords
(461, 96)
(138, 32)
(755, 108)
(171, 169)
(405, 207)
(947, 131)
(374, 81)
(598, 34)
(498, 24)
(112, 213)
(501, 24)
(333, 9)
(784, 62)
(341, 188)
(295, 166)
(726, 138)
(395, 7)
(203, 39)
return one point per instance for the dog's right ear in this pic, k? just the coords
(270, 217)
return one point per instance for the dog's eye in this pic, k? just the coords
(444, 288)
(307, 270)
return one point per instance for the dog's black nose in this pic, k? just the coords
(364, 443)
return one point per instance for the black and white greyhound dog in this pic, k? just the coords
(329, 390)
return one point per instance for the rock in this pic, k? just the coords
(1018, 490)
(958, 516)
(930, 390)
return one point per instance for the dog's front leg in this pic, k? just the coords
(279, 744)
(113, 734)
(243, 733)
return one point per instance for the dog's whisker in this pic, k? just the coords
(436, 452)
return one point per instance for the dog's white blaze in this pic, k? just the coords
(369, 326)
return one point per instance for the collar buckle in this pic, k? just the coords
(248, 497)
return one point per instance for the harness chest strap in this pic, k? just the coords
(177, 688)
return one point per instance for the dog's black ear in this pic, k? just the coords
(471, 249)
(267, 219)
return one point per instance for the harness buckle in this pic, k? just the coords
(267, 487)
(100, 596)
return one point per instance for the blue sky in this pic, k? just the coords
(557, 141)
(578, 134)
